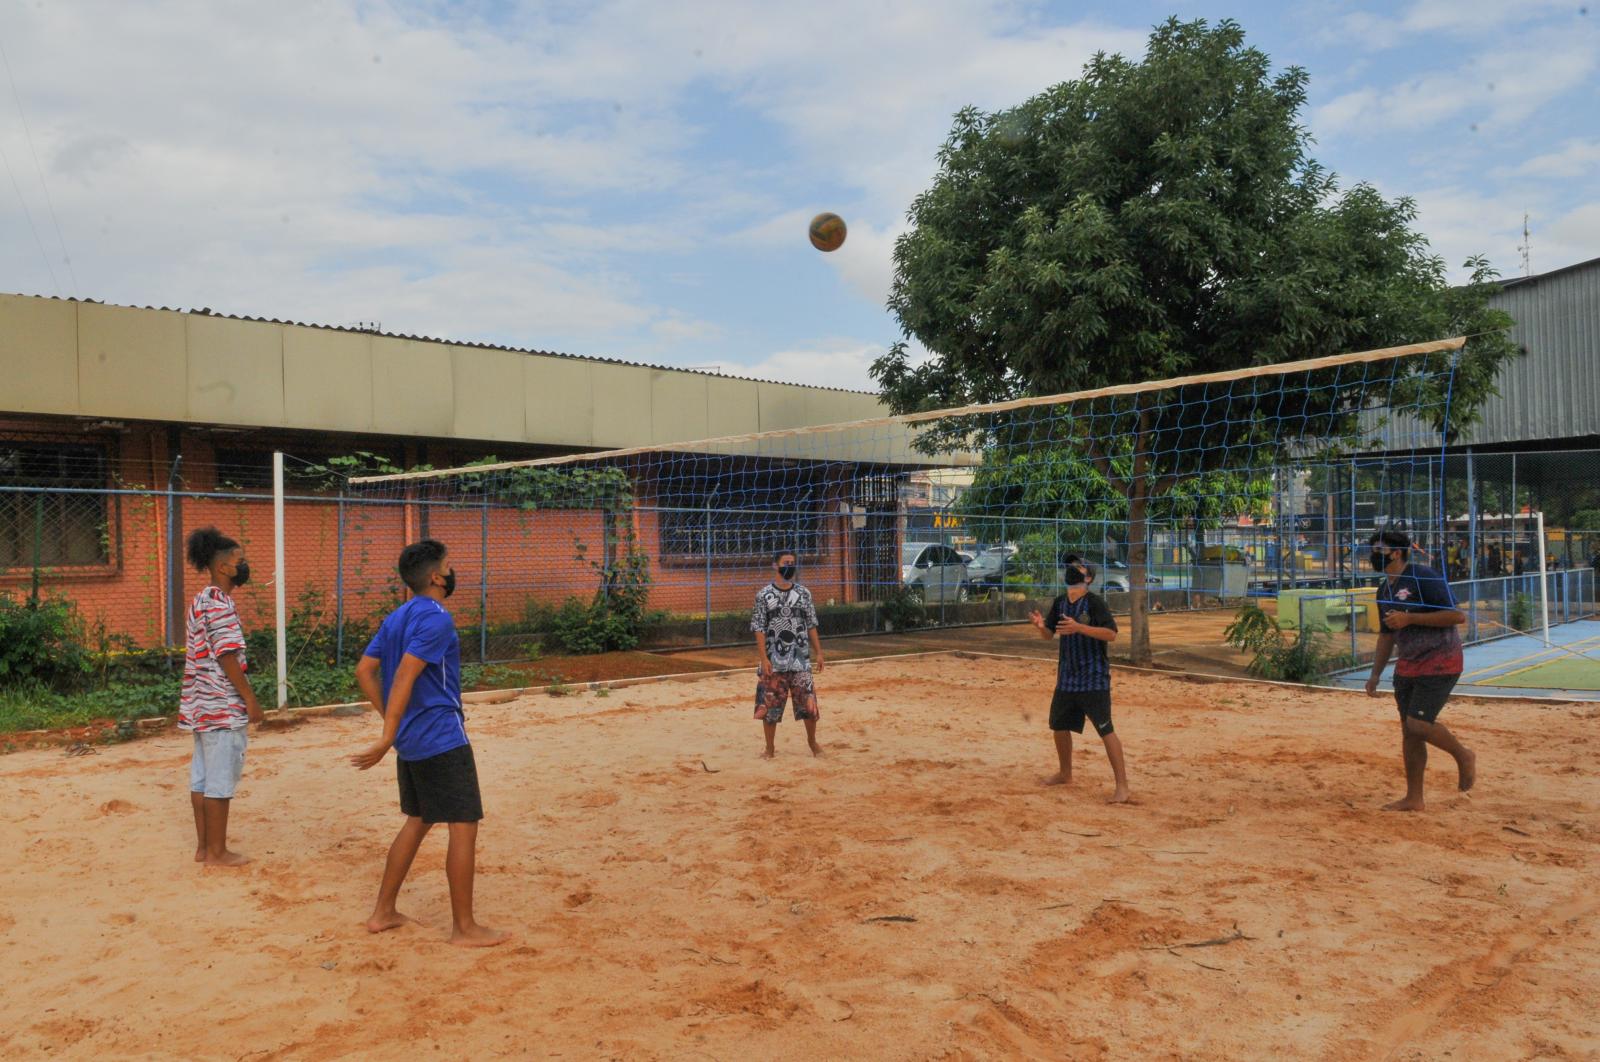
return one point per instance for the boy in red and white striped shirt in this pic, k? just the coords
(217, 703)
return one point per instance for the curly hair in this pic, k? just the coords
(205, 543)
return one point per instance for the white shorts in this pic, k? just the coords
(218, 762)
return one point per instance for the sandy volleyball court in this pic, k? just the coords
(914, 895)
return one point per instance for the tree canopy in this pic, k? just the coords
(1157, 218)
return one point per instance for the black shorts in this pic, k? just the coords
(1422, 696)
(442, 788)
(1069, 708)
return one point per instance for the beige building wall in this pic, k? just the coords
(88, 359)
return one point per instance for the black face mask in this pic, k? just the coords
(786, 572)
(241, 574)
(1075, 576)
(1380, 560)
(450, 584)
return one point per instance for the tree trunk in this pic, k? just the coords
(1138, 538)
(1139, 597)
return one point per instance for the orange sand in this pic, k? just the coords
(665, 911)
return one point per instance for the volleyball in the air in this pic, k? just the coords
(827, 232)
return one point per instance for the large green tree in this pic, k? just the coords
(1151, 219)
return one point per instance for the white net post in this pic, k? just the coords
(278, 580)
(1544, 577)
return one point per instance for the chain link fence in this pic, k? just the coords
(117, 551)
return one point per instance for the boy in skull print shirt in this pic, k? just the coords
(785, 624)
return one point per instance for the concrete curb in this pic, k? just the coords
(24, 739)
(1204, 679)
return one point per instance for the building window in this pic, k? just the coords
(742, 513)
(53, 527)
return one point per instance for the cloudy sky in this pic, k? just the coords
(633, 179)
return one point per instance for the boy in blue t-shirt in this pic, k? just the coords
(411, 672)
(1085, 626)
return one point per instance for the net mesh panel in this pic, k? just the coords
(1197, 488)
(1258, 485)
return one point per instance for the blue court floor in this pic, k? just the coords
(1489, 661)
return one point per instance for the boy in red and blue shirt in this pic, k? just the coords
(1420, 620)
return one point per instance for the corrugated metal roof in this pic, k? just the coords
(208, 312)
(1554, 391)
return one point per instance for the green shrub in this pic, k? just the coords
(617, 615)
(32, 706)
(1308, 658)
(1521, 612)
(903, 609)
(43, 643)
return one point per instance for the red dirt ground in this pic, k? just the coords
(674, 896)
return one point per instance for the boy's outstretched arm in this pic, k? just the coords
(405, 677)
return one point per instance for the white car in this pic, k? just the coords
(934, 570)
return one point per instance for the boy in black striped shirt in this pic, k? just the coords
(1083, 675)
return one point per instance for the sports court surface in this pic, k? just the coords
(915, 894)
(1523, 666)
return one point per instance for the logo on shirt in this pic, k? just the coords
(1403, 594)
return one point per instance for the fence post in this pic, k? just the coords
(707, 552)
(1472, 548)
(38, 547)
(338, 584)
(174, 587)
(943, 541)
(1277, 523)
(1003, 557)
(483, 590)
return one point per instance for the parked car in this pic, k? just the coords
(990, 566)
(935, 571)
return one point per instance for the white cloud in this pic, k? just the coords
(829, 363)
(1576, 158)
(1456, 18)
(866, 261)
(428, 169)
(1460, 222)
(1494, 90)
(676, 327)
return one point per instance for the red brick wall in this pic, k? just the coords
(531, 555)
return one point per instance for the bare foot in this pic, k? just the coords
(1057, 779)
(1121, 796)
(199, 855)
(380, 922)
(227, 859)
(1468, 768)
(769, 754)
(476, 936)
(1403, 804)
(816, 749)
